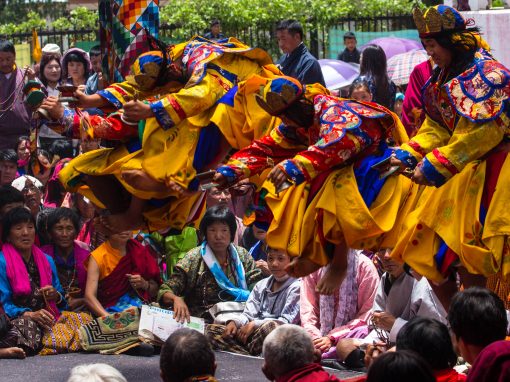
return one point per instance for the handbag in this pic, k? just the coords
(225, 311)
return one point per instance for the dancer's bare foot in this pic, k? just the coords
(330, 281)
(142, 181)
(13, 352)
(301, 267)
(122, 222)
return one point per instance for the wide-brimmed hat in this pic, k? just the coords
(278, 94)
(146, 69)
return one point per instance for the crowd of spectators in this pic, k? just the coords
(381, 319)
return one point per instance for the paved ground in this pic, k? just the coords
(56, 368)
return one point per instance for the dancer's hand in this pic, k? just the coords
(83, 100)
(419, 177)
(245, 332)
(137, 111)
(181, 311)
(322, 343)
(277, 176)
(396, 162)
(230, 330)
(54, 108)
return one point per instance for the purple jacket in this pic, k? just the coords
(16, 121)
(81, 254)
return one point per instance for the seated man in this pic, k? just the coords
(477, 318)
(187, 356)
(272, 302)
(345, 314)
(8, 166)
(289, 356)
(399, 298)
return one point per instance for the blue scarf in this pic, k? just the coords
(240, 294)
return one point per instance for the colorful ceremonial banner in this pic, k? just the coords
(36, 47)
(124, 28)
(23, 55)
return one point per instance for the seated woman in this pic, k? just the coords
(399, 298)
(120, 273)
(344, 314)
(272, 302)
(215, 271)
(30, 290)
(69, 254)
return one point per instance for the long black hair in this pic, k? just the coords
(373, 65)
(463, 49)
(45, 60)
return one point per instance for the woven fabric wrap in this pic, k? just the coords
(63, 336)
(112, 334)
(124, 27)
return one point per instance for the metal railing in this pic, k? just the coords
(263, 36)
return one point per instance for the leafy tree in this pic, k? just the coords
(33, 21)
(16, 11)
(79, 18)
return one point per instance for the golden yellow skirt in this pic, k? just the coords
(345, 216)
(173, 214)
(452, 213)
(168, 154)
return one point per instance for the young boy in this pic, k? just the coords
(95, 82)
(350, 53)
(272, 302)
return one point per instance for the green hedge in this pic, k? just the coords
(186, 15)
